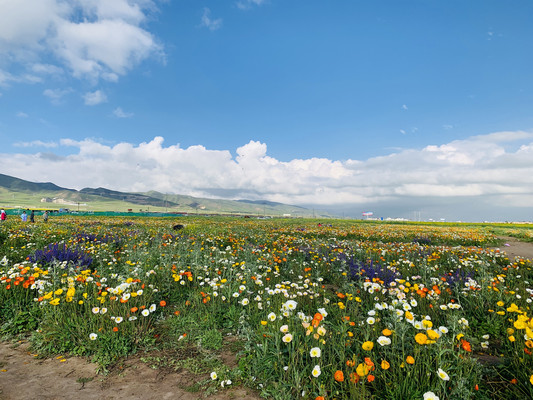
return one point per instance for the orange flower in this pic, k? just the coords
(410, 360)
(354, 378)
(320, 398)
(370, 378)
(339, 376)
(162, 303)
(134, 309)
(350, 363)
(466, 345)
(115, 329)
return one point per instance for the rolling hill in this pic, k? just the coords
(19, 193)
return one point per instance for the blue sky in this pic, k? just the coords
(397, 107)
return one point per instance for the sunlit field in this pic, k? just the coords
(313, 309)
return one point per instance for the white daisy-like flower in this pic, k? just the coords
(152, 308)
(145, 312)
(214, 375)
(245, 302)
(118, 320)
(430, 396)
(370, 320)
(271, 316)
(284, 328)
(384, 340)
(316, 371)
(95, 310)
(93, 336)
(443, 375)
(315, 352)
(287, 338)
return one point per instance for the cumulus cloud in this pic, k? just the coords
(94, 98)
(211, 24)
(480, 169)
(99, 39)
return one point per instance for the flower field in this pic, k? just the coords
(341, 310)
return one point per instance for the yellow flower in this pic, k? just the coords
(55, 302)
(368, 345)
(427, 323)
(362, 369)
(263, 323)
(385, 364)
(512, 338)
(500, 303)
(531, 379)
(421, 338)
(433, 334)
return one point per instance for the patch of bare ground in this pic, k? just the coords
(24, 376)
(513, 247)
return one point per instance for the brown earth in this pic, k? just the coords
(24, 376)
(515, 248)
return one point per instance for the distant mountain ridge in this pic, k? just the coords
(29, 193)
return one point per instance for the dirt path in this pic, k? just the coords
(23, 376)
(515, 248)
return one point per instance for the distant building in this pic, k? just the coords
(46, 200)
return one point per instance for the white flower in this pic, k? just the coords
(443, 375)
(370, 320)
(316, 371)
(214, 375)
(245, 302)
(323, 312)
(287, 338)
(284, 328)
(384, 340)
(290, 305)
(145, 312)
(95, 310)
(152, 308)
(315, 352)
(103, 310)
(443, 329)
(93, 336)
(132, 318)
(118, 320)
(271, 316)
(430, 396)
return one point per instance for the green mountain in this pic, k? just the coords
(18, 193)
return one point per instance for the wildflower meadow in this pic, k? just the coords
(317, 310)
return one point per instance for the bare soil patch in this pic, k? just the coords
(24, 376)
(516, 248)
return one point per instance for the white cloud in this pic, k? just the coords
(56, 95)
(35, 143)
(98, 39)
(247, 4)
(211, 24)
(94, 98)
(119, 113)
(479, 170)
